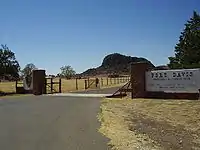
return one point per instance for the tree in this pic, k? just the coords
(28, 69)
(67, 72)
(9, 66)
(187, 51)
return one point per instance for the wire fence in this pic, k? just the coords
(68, 85)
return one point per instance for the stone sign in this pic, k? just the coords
(173, 81)
(28, 82)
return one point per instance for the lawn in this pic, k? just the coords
(7, 87)
(68, 85)
(151, 124)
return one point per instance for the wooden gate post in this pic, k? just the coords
(16, 85)
(51, 81)
(45, 86)
(107, 80)
(60, 86)
(76, 84)
(85, 84)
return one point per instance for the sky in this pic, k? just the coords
(80, 33)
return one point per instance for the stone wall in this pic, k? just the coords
(39, 82)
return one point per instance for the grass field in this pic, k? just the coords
(67, 85)
(151, 124)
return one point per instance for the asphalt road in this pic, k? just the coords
(50, 123)
(100, 91)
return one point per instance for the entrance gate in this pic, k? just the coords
(39, 84)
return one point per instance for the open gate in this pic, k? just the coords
(92, 83)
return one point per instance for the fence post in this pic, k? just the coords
(110, 80)
(107, 80)
(85, 84)
(118, 80)
(45, 86)
(51, 85)
(101, 81)
(16, 85)
(76, 84)
(60, 86)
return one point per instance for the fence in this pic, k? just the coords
(72, 84)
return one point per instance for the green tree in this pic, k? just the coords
(67, 72)
(9, 66)
(187, 50)
(28, 69)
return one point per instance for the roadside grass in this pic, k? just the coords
(151, 124)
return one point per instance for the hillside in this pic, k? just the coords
(114, 64)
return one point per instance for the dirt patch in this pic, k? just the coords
(166, 135)
(151, 124)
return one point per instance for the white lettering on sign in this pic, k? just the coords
(175, 81)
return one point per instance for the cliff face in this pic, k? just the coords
(114, 64)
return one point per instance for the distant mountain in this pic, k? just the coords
(114, 64)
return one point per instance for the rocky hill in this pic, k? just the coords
(114, 64)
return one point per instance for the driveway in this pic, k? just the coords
(50, 123)
(109, 91)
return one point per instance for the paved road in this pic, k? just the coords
(50, 123)
(100, 91)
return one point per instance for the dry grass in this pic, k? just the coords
(70, 85)
(7, 87)
(67, 85)
(151, 124)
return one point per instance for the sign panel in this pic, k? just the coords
(175, 81)
(28, 82)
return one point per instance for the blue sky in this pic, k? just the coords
(53, 33)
